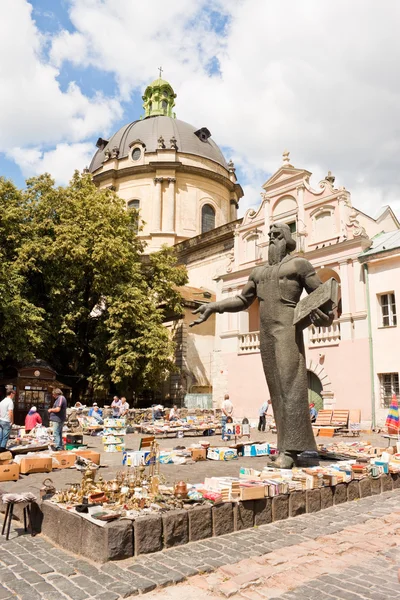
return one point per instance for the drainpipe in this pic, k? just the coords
(371, 348)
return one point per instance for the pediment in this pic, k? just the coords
(284, 175)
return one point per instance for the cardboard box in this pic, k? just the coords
(9, 472)
(6, 458)
(198, 453)
(35, 464)
(90, 454)
(65, 459)
(221, 453)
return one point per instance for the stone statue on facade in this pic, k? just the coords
(278, 286)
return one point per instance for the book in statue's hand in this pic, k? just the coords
(325, 298)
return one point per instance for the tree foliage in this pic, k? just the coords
(98, 305)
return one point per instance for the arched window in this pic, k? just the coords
(164, 104)
(207, 218)
(134, 204)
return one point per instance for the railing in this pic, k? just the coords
(324, 336)
(249, 342)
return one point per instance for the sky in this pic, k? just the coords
(316, 77)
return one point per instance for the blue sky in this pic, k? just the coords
(262, 76)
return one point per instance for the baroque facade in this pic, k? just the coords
(187, 195)
(338, 239)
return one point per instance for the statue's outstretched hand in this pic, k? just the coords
(320, 319)
(205, 311)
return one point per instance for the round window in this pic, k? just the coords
(136, 154)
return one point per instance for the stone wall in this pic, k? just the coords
(152, 533)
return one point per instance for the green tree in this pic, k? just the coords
(104, 304)
(21, 322)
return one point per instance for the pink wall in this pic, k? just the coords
(347, 371)
(347, 368)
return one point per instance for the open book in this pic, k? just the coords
(325, 298)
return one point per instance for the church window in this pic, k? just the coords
(293, 227)
(388, 310)
(389, 384)
(207, 218)
(165, 93)
(134, 204)
(136, 153)
(164, 104)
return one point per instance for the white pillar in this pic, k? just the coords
(301, 224)
(344, 203)
(157, 204)
(169, 207)
(345, 319)
(267, 214)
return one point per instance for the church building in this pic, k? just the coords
(187, 195)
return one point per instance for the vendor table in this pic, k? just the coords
(395, 438)
(25, 449)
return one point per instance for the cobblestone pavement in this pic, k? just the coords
(350, 552)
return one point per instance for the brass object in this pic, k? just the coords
(180, 489)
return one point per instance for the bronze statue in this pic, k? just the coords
(278, 286)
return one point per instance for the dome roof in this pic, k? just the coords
(149, 130)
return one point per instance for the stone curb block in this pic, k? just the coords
(148, 534)
(340, 493)
(280, 507)
(313, 501)
(326, 497)
(222, 515)
(297, 503)
(243, 515)
(152, 533)
(200, 523)
(353, 490)
(175, 528)
(376, 486)
(263, 511)
(365, 488)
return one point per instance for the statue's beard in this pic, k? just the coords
(276, 251)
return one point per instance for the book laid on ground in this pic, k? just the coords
(325, 297)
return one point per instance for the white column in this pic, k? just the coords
(267, 214)
(169, 207)
(343, 215)
(345, 319)
(157, 204)
(301, 223)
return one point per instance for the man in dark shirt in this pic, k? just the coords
(58, 416)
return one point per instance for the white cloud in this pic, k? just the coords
(318, 78)
(34, 110)
(60, 162)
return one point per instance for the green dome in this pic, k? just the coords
(158, 83)
(159, 99)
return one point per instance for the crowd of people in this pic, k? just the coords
(119, 408)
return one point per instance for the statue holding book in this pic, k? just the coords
(278, 286)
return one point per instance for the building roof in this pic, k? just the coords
(148, 132)
(196, 295)
(383, 242)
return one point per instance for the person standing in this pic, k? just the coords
(58, 416)
(6, 416)
(32, 419)
(227, 412)
(115, 406)
(313, 412)
(262, 413)
(124, 408)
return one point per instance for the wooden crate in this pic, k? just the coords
(327, 431)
